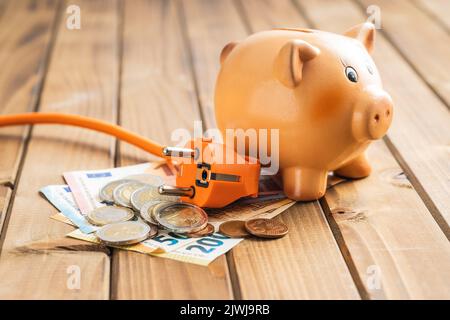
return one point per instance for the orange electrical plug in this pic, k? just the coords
(203, 179)
(212, 175)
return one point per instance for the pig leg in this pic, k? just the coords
(356, 168)
(304, 184)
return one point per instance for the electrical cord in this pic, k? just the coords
(84, 122)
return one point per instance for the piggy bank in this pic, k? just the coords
(321, 90)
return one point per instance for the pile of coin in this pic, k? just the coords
(135, 211)
(261, 228)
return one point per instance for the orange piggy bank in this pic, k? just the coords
(321, 90)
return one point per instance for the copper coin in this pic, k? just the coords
(207, 231)
(266, 228)
(234, 229)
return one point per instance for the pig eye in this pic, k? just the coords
(351, 74)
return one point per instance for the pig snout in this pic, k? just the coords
(373, 114)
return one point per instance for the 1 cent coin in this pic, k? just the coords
(266, 228)
(234, 229)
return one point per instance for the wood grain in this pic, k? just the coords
(25, 33)
(158, 97)
(210, 26)
(414, 33)
(307, 264)
(5, 196)
(82, 79)
(383, 221)
(436, 9)
(390, 233)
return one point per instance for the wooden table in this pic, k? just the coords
(151, 66)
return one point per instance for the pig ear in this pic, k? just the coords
(226, 51)
(364, 32)
(289, 62)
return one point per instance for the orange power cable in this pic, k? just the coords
(85, 122)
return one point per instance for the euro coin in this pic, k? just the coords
(147, 178)
(146, 211)
(234, 229)
(180, 217)
(109, 214)
(122, 193)
(146, 194)
(266, 228)
(207, 231)
(124, 233)
(106, 193)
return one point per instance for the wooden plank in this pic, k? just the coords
(82, 79)
(384, 223)
(305, 264)
(158, 97)
(426, 50)
(2, 8)
(206, 21)
(25, 32)
(5, 196)
(390, 233)
(420, 132)
(268, 14)
(437, 9)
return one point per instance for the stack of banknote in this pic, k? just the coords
(80, 196)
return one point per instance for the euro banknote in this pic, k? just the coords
(61, 197)
(85, 185)
(200, 251)
(270, 202)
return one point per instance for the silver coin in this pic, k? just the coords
(180, 217)
(147, 178)
(109, 214)
(122, 193)
(125, 233)
(106, 193)
(146, 194)
(146, 211)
